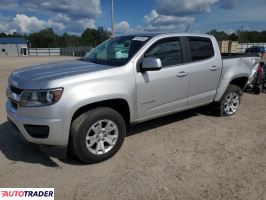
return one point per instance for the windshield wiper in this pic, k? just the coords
(94, 61)
(91, 60)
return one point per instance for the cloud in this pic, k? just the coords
(122, 27)
(75, 26)
(60, 23)
(86, 23)
(230, 31)
(71, 16)
(175, 15)
(164, 20)
(229, 4)
(184, 7)
(26, 24)
(157, 22)
(75, 8)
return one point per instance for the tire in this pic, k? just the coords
(257, 90)
(97, 135)
(230, 101)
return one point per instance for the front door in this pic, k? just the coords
(164, 91)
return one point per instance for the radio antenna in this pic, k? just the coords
(187, 27)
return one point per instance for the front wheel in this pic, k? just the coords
(97, 134)
(230, 101)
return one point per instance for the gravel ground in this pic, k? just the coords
(190, 155)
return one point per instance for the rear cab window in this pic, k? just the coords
(201, 48)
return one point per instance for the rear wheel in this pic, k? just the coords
(230, 101)
(97, 134)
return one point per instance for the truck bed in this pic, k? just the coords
(237, 55)
(244, 61)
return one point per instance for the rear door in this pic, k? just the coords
(205, 70)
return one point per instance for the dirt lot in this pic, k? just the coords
(191, 155)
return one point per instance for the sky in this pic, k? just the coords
(74, 16)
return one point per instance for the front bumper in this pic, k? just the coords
(57, 135)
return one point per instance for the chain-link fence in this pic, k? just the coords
(75, 51)
(68, 51)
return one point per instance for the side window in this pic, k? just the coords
(201, 48)
(168, 50)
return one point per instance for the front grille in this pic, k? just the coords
(16, 90)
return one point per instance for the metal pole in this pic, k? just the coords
(17, 50)
(241, 34)
(113, 20)
(241, 38)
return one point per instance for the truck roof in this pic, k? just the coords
(167, 34)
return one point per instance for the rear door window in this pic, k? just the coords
(201, 48)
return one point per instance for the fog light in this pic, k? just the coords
(37, 131)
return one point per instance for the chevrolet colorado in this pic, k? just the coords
(88, 104)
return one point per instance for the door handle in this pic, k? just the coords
(214, 68)
(182, 74)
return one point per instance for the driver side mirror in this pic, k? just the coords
(151, 64)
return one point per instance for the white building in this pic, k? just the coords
(13, 47)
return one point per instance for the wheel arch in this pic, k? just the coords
(119, 105)
(240, 82)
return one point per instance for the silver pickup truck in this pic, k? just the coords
(88, 104)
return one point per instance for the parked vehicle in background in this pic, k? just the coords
(255, 49)
(88, 104)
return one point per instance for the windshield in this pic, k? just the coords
(116, 51)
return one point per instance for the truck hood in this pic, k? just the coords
(36, 76)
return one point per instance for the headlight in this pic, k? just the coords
(34, 98)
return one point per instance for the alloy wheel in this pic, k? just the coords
(102, 137)
(232, 103)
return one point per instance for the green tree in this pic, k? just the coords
(67, 40)
(45, 38)
(233, 37)
(93, 37)
(219, 35)
(3, 34)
